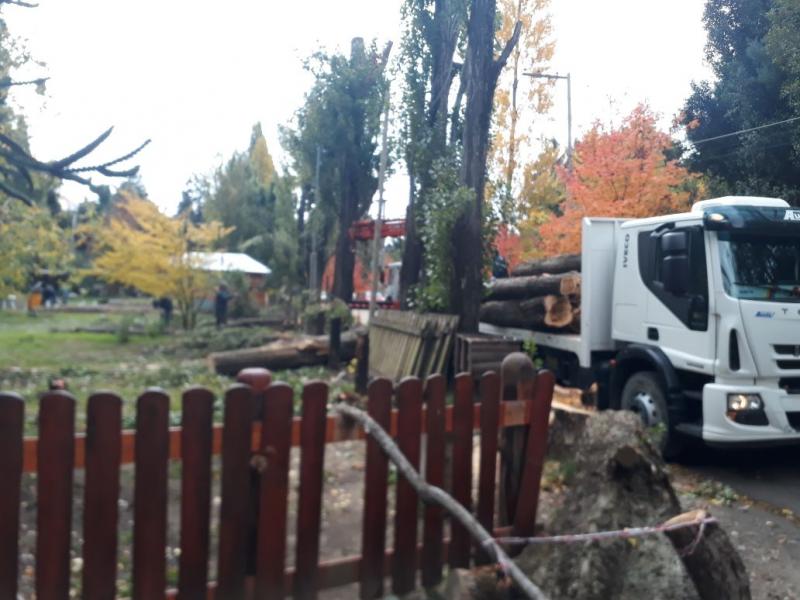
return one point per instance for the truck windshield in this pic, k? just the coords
(760, 266)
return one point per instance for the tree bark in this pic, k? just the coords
(543, 313)
(518, 288)
(714, 565)
(306, 351)
(480, 71)
(554, 264)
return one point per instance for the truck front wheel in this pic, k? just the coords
(644, 395)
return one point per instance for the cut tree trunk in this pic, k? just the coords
(554, 264)
(543, 312)
(518, 288)
(305, 351)
(713, 564)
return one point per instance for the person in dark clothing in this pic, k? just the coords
(165, 305)
(499, 266)
(221, 304)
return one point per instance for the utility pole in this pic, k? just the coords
(312, 267)
(568, 79)
(377, 246)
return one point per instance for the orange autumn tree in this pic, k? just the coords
(619, 172)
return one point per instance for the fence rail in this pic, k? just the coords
(253, 563)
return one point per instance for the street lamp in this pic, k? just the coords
(569, 107)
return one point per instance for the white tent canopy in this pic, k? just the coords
(227, 262)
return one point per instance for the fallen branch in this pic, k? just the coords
(433, 495)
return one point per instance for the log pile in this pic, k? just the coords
(543, 295)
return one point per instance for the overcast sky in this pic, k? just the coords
(195, 76)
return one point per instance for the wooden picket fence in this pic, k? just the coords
(420, 410)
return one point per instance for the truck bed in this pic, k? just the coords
(569, 342)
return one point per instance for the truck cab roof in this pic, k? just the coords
(700, 208)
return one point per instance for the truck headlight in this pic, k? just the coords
(746, 409)
(741, 402)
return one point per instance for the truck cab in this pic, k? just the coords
(693, 321)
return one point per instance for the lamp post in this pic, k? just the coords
(567, 77)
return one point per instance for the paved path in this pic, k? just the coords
(768, 474)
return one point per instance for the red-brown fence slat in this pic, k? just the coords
(276, 442)
(197, 417)
(54, 495)
(539, 410)
(12, 421)
(309, 511)
(463, 411)
(490, 431)
(409, 429)
(433, 533)
(101, 496)
(376, 476)
(150, 495)
(234, 516)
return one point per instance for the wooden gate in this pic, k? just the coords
(247, 448)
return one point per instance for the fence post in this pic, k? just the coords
(362, 369)
(335, 345)
(516, 372)
(12, 414)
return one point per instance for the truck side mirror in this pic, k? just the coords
(675, 262)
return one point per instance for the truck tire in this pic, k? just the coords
(644, 394)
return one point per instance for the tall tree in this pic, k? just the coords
(749, 93)
(519, 98)
(339, 122)
(619, 171)
(481, 71)
(433, 30)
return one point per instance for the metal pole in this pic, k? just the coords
(377, 247)
(569, 122)
(312, 270)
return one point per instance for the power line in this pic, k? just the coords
(741, 131)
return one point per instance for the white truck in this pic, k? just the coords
(690, 320)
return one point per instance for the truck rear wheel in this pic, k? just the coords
(644, 395)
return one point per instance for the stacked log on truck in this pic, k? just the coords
(543, 295)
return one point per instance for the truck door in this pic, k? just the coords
(673, 265)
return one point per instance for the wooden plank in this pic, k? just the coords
(12, 423)
(409, 429)
(376, 479)
(539, 411)
(54, 495)
(197, 420)
(433, 533)
(512, 414)
(463, 411)
(487, 479)
(233, 516)
(309, 511)
(150, 495)
(101, 496)
(275, 449)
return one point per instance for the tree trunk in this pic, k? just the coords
(543, 313)
(306, 351)
(714, 564)
(554, 264)
(345, 261)
(443, 45)
(518, 288)
(480, 72)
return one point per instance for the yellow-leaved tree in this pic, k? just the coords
(141, 247)
(30, 242)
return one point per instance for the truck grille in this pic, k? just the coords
(790, 384)
(794, 420)
(787, 349)
(789, 365)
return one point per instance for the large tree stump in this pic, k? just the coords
(519, 288)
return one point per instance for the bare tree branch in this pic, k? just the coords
(433, 495)
(507, 49)
(7, 82)
(19, 3)
(14, 193)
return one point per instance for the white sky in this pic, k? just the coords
(195, 76)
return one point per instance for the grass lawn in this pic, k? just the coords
(34, 350)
